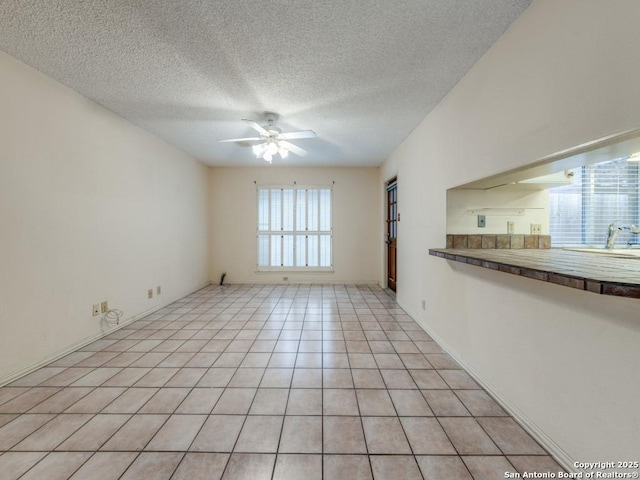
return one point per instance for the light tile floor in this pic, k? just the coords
(262, 382)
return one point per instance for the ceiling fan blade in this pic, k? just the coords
(247, 139)
(300, 134)
(301, 152)
(259, 128)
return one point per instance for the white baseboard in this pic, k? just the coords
(558, 454)
(12, 377)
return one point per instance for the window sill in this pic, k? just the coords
(295, 271)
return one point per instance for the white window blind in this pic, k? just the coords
(601, 193)
(294, 228)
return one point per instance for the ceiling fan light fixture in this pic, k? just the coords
(269, 150)
(273, 141)
(272, 147)
(257, 150)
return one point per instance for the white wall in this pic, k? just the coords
(92, 208)
(356, 222)
(566, 361)
(534, 203)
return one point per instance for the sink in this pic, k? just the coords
(615, 252)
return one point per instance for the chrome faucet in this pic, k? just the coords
(614, 230)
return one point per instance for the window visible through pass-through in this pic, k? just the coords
(601, 194)
(294, 228)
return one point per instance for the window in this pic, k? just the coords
(601, 193)
(294, 228)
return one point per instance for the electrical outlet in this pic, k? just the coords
(511, 228)
(158, 290)
(96, 309)
(536, 229)
(104, 307)
(150, 293)
(482, 221)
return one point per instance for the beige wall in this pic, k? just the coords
(356, 217)
(92, 208)
(565, 361)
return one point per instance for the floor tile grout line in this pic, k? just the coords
(284, 416)
(9, 449)
(322, 396)
(364, 435)
(53, 449)
(246, 415)
(49, 453)
(404, 431)
(397, 415)
(333, 315)
(168, 416)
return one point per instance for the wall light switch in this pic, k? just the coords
(150, 293)
(511, 228)
(104, 307)
(536, 229)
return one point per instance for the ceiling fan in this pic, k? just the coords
(272, 141)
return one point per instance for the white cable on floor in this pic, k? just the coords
(112, 317)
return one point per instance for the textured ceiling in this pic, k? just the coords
(361, 73)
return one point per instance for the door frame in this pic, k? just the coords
(388, 230)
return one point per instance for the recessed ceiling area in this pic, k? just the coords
(613, 147)
(361, 74)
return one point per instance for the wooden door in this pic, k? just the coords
(392, 233)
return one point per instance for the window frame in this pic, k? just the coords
(294, 232)
(591, 228)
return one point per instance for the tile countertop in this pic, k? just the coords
(596, 273)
